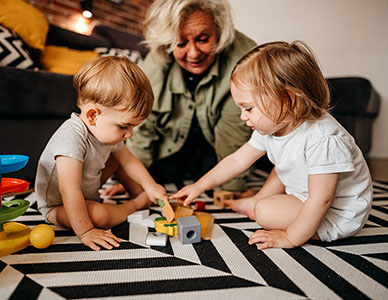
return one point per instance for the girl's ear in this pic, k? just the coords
(92, 114)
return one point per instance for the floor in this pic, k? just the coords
(225, 267)
(379, 169)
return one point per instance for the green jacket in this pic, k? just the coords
(164, 132)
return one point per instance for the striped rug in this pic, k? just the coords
(225, 267)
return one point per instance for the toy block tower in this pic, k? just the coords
(220, 196)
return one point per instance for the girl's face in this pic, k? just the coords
(252, 113)
(198, 39)
(111, 126)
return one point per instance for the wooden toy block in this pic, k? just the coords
(150, 221)
(161, 225)
(182, 211)
(200, 205)
(189, 230)
(207, 222)
(138, 216)
(167, 210)
(220, 196)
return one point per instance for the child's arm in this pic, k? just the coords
(69, 172)
(228, 168)
(322, 189)
(137, 171)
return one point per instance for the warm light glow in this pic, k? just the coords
(82, 25)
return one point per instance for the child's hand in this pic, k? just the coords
(101, 237)
(156, 192)
(187, 194)
(270, 239)
(113, 190)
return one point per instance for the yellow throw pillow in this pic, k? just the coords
(27, 21)
(64, 60)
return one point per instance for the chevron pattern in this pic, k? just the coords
(13, 51)
(225, 267)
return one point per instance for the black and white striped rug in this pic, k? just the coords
(225, 267)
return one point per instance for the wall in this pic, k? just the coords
(127, 16)
(349, 38)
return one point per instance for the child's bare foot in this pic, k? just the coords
(243, 206)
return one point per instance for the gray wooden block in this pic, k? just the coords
(189, 230)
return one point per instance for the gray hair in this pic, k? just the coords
(164, 17)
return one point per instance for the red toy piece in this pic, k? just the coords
(200, 205)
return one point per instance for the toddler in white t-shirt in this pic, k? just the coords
(320, 187)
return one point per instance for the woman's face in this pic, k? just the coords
(198, 39)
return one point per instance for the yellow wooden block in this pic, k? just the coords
(207, 222)
(167, 210)
(182, 211)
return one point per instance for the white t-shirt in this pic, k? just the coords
(72, 139)
(321, 147)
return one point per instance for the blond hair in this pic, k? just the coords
(288, 75)
(164, 18)
(114, 82)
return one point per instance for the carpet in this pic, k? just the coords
(225, 267)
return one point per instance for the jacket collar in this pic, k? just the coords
(176, 82)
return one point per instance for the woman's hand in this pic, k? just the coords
(113, 190)
(104, 238)
(187, 194)
(270, 239)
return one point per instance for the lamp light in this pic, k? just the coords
(87, 8)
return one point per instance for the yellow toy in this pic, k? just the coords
(42, 236)
(161, 225)
(15, 236)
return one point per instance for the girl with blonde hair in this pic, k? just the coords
(320, 187)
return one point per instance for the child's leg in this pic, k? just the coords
(112, 167)
(276, 211)
(272, 186)
(102, 215)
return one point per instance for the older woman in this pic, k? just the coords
(194, 122)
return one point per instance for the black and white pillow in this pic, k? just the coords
(13, 51)
(132, 55)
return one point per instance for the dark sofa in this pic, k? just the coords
(33, 104)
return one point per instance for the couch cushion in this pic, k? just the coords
(27, 21)
(64, 60)
(63, 37)
(13, 51)
(120, 39)
(132, 55)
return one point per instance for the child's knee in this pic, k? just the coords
(262, 213)
(100, 216)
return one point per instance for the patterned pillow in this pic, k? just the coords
(13, 51)
(132, 55)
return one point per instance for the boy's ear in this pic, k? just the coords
(92, 114)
